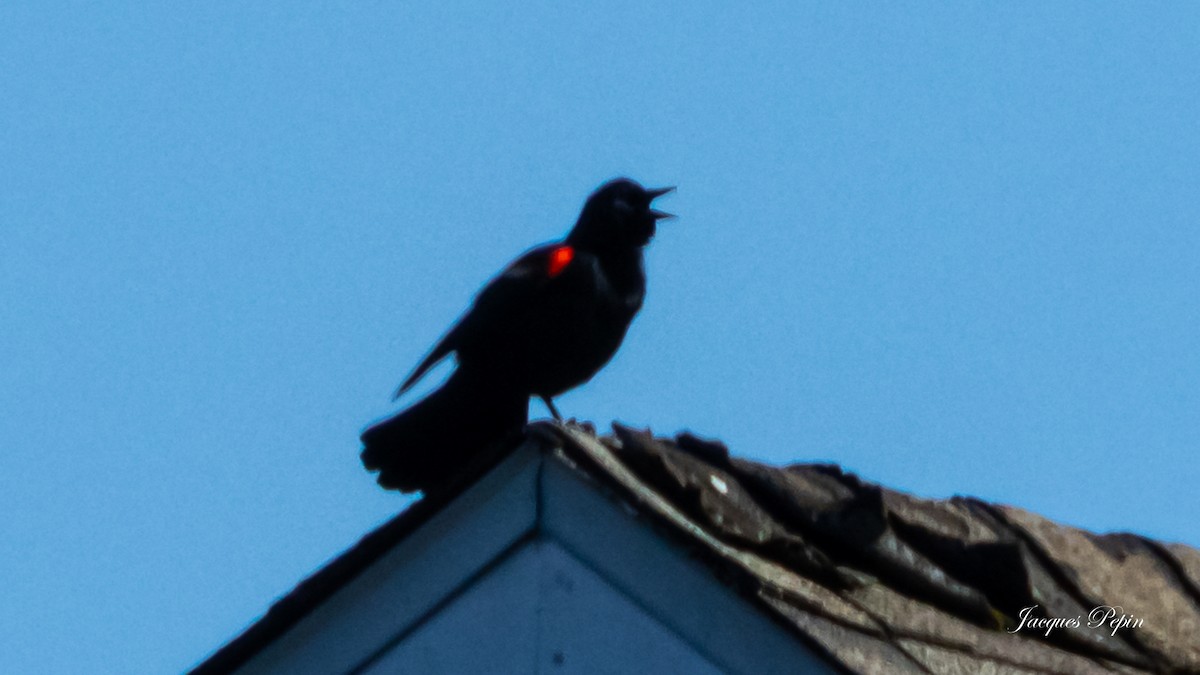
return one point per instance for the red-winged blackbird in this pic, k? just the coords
(548, 323)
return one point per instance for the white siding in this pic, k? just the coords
(533, 570)
(541, 611)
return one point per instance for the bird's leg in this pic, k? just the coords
(553, 410)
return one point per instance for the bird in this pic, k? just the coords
(547, 323)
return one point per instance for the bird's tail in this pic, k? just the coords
(425, 445)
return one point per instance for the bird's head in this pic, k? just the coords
(618, 216)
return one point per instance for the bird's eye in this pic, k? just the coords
(622, 206)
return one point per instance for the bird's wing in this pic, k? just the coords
(503, 300)
(444, 347)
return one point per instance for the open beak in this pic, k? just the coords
(655, 194)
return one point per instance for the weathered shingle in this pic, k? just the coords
(1124, 574)
(887, 582)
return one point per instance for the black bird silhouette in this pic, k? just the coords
(546, 324)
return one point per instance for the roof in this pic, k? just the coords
(877, 580)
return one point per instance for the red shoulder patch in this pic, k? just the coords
(559, 259)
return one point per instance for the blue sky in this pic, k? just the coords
(953, 247)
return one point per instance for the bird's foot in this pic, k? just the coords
(553, 411)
